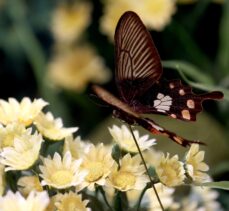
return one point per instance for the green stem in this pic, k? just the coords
(105, 198)
(118, 202)
(147, 171)
(138, 205)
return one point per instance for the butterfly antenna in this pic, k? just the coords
(147, 171)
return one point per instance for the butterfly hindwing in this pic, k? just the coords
(174, 99)
(138, 64)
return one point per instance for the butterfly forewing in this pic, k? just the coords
(138, 64)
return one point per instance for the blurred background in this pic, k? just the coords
(56, 49)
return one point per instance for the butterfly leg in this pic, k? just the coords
(154, 128)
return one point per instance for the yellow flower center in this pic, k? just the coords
(95, 171)
(61, 177)
(170, 172)
(124, 179)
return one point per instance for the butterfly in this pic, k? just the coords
(141, 88)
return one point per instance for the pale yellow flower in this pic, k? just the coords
(130, 175)
(61, 173)
(52, 128)
(76, 146)
(24, 112)
(170, 171)
(207, 198)
(71, 201)
(2, 179)
(201, 199)
(51, 206)
(189, 205)
(195, 166)
(70, 21)
(152, 157)
(36, 201)
(125, 140)
(155, 14)
(74, 69)
(112, 12)
(10, 132)
(26, 184)
(166, 197)
(98, 163)
(24, 152)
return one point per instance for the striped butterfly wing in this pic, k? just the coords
(138, 64)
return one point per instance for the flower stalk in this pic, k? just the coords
(144, 163)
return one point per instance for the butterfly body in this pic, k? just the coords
(141, 88)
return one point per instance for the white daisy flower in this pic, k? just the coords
(170, 171)
(26, 184)
(130, 175)
(76, 146)
(24, 112)
(71, 201)
(195, 166)
(98, 163)
(61, 173)
(24, 152)
(52, 128)
(36, 201)
(125, 140)
(10, 132)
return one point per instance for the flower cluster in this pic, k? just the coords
(74, 65)
(68, 178)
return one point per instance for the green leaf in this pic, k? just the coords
(224, 185)
(116, 153)
(189, 70)
(152, 172)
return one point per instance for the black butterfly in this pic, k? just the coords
(141, 88)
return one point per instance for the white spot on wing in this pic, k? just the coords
(185, 114)
(160, 96)
(173, 116)
(191, 104)
(156, 126)
(162, 103)
(171, 86)
(181, 92)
